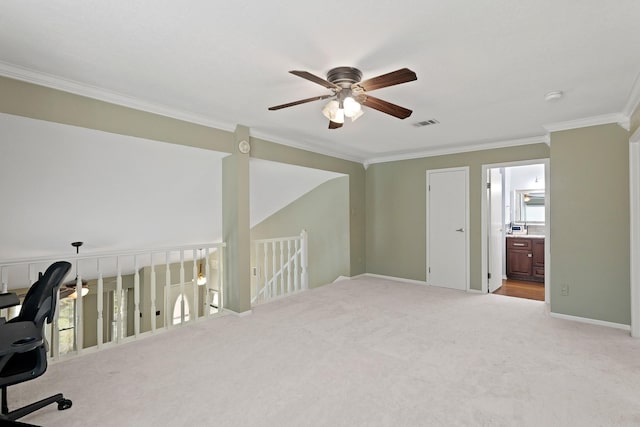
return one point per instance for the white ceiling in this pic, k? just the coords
(483, 67)
(61, 183)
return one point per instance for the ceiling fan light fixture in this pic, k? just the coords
(84, 292)
(357, 115)
(333, 112)
(351, 107)
(338, 116)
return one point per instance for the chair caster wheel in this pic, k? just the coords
(64, 404)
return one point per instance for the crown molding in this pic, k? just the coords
(604, 119)
(43, 79)
(459, 149)
(89, 91)
(352, 157)
(54, 82)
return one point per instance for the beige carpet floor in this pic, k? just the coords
(362, 352)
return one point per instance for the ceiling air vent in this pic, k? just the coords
(426, 123)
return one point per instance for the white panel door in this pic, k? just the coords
(447, 223)
(496, 225)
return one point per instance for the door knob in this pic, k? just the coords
(530, 255)
(461, 230)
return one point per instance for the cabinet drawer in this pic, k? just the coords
(516, 243)
(538, 271)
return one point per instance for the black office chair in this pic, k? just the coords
(25, 358)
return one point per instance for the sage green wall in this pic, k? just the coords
(266, 150)
(396, 209)
(590, 223)
(324, 213)
(38, 102)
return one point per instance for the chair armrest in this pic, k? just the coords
(8, 300)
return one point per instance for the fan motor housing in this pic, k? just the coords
(344, 76)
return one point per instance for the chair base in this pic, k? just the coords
(28, 409)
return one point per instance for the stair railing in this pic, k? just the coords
(279, 267)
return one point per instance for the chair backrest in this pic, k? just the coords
(40, 301)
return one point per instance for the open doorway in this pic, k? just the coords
(515, 229)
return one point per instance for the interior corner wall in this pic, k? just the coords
(396, 209)
(324, 213)
(590, 223)
(266, 150)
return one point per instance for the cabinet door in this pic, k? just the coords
(520, 262)
(538, 258)
(538, 252)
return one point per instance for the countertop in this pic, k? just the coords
(531, 236)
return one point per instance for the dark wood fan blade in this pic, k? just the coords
(397, 77)
(315, 79)
(334, 125)
(384, 106)
(302, 101)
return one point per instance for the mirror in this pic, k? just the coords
(529, 206)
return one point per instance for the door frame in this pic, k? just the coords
(467, 255)
(484, 215)
(490, 213)
(634, 253)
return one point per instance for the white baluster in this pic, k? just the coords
(289, 287)
(255, 280)
(196, 302)
(282, 284)
(100, 297)
(207, 274)
(136, 297)
(54, 338)
(79, 322)
(274, 288)
(153, 294)
(4, 278)
(182, 293)
(304, 260)
(221, 282)
(168, 315)
(296, 266)
(118, 301)
(265, 271)
(31, 274)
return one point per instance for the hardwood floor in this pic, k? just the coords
(522, 289)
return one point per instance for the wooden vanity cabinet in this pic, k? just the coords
(525, 258)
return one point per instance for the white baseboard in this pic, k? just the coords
(400, 279)
(395, 279)
(341, 278)
(591, 321)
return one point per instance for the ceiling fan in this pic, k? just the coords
(349, 93)
(69, 289)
